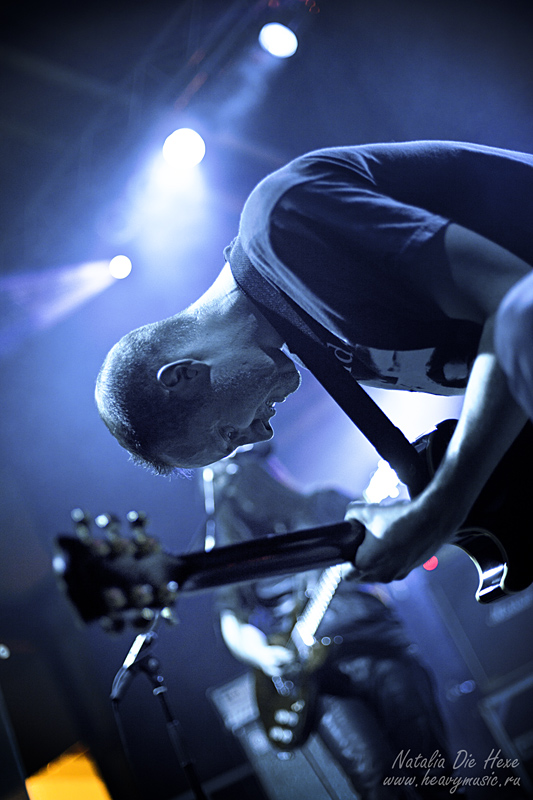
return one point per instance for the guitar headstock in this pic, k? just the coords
(112, 578)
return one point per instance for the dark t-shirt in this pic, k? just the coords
(354, 236)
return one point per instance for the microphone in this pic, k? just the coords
(122, 680)
(130, 667)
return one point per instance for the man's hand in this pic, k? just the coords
(274, 659)
(250, 645)
(397, 539)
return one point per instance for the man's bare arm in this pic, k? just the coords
(250, 645)
(404, 535)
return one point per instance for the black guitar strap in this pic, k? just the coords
(305, 338)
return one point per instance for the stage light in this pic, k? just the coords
(35, 301)
(184, 148)
(73, 774)
(383, 484)
(278, 40)
(120, 267)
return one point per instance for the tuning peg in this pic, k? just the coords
(169, 616)
(82, 524)
(142, 595)
(100, 548)
(167, 593)
(137, 519)
(144, 619)
(138, 522)
(146, 545)
(115, 598)
(110, 523)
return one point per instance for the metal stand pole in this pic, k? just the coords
(141, 659)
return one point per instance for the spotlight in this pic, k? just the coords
(278, 40)
(384, 483)
(184, 148)
(120, 267)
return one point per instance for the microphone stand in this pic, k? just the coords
(140, 658)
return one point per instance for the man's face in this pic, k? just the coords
(238, 405)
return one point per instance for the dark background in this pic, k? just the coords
(89, 91)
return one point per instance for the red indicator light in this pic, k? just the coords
(431, 563)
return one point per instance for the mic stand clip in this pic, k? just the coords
(141, 659)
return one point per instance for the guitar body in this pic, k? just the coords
(494, 533)
(286, 708)
(287, 703)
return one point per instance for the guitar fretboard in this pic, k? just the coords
(313, 613)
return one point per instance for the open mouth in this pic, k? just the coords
(262, 428)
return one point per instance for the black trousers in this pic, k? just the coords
(377, 715)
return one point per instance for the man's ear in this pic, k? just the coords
(185, 377)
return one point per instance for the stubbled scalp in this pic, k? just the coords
(130, 402)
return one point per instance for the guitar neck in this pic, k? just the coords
(313, 613)
(104, 578)
(280, 554)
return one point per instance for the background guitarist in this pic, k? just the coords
(374, 699)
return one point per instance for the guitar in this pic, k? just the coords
(494, 532)
(121, 580)
(117, 579)
(286, 702)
